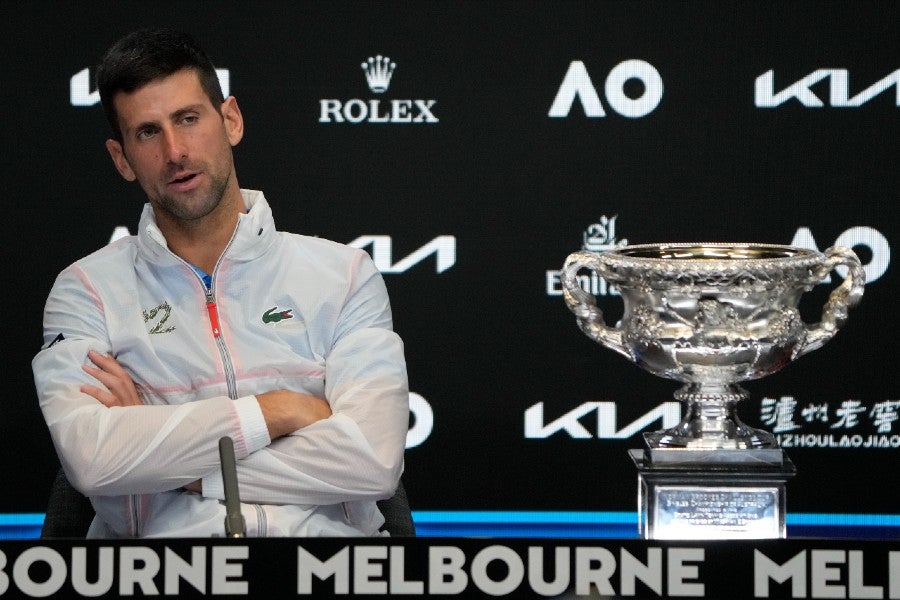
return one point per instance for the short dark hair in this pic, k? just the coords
(147, 55)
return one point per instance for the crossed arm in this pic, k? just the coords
(291, 448)
(284, 411)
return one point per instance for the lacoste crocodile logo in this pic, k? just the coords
(157, 317)
(270, 316)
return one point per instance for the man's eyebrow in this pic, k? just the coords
(175, 115)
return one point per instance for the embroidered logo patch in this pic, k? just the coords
(156, 319)
(271, 316)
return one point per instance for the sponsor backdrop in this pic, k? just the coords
(470, 147)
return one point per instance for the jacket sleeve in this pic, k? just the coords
(124, 450)
(357, 453)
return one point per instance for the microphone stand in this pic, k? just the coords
(235, 526)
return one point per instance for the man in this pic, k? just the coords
(209, 322)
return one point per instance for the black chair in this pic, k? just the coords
(398, 519)
(69, 513)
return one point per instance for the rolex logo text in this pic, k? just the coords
(378, 72)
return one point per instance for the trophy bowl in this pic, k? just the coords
(711, 315)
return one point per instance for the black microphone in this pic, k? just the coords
(235, 526)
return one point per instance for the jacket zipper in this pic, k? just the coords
(230, 381)
(227, 365)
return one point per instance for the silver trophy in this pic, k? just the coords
(711, 315)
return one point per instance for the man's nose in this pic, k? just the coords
(175, 148)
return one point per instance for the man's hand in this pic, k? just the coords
(286, 411)
(120, 390)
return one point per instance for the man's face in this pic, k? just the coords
(177, 145)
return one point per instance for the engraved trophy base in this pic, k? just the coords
(686, 494)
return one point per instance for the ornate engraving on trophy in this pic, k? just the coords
(711, 315)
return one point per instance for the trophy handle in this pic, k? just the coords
(584, 305)
(845, 296)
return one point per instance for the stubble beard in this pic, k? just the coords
(193, 208)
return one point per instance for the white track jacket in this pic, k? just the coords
(284, 312)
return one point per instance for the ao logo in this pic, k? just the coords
(577, 84)
(854, 237)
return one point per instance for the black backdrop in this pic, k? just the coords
(503, 191)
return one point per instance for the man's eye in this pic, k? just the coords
(146, 133)
(190, 119)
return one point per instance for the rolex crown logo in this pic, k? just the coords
(378, 73)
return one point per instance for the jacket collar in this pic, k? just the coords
(254, 234)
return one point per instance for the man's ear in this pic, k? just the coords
(233, 120)
(118, 157)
